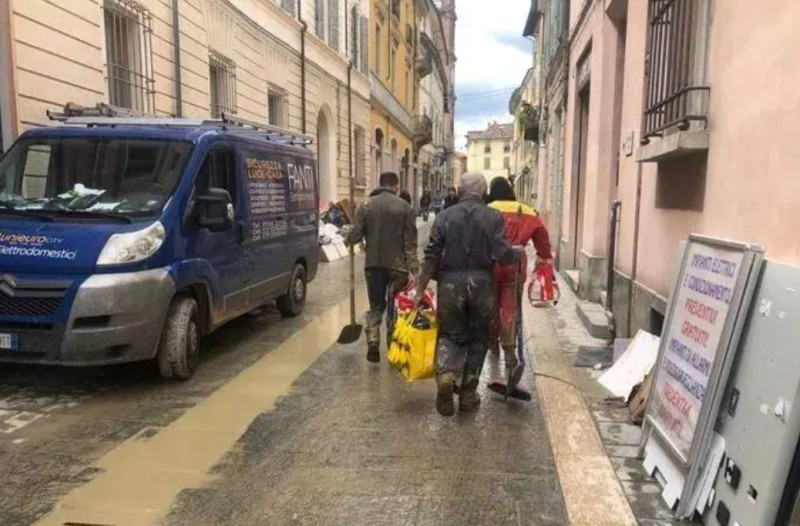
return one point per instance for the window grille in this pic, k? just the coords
(276, 107)
(129, 55)
(222, 84)
(333, 24)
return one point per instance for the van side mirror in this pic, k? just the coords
(214, 210)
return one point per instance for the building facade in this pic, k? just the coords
(432, 139)
(668, 150)
(459, 168)
(490, 151)
(265, 61)
(524, 106)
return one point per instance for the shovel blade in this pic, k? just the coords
(516, 393)
(350, 333)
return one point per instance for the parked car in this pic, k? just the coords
(128, 239)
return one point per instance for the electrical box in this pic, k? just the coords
(761, 423)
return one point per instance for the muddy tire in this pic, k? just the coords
(179, 348)
(291, 304)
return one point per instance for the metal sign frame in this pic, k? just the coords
(752, 257)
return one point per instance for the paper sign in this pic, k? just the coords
(692, 341)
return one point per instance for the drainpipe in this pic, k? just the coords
(8, 97)
(303, 29)
(350, 153)
(635, 263)
(612, 251)
(176, 40)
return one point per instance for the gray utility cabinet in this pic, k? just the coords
(760, 416)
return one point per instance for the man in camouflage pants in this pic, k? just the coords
(466, 241)
(389, 226)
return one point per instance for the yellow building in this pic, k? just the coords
(490, 151)
(393, 87)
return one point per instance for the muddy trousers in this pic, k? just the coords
(504, 329)
(382, 283)
(465, 316)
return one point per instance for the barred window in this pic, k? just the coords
(288, 6)
(333, 24)
(319, 19)
(129, 55)
(222, 84)
(277, 107)
(487, 163)
(359, 140)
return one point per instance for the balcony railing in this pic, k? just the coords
(423, 130)
(672, 96)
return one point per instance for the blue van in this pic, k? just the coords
(126, 239)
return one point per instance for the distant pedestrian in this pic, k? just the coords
(425, 204)
(522, 225)
(389, 226)
(405, 196)
(451, 199)
(466, 240)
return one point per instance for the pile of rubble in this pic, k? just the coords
(335, 223)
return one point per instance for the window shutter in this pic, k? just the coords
(288, 6)
(320, 18)
(364, 44)
(333, 19)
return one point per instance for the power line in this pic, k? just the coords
(477, 93)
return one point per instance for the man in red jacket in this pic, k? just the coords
(522, 224)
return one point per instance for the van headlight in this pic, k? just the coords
(131, 247)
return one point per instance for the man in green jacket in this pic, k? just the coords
(388, 225)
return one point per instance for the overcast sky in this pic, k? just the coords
(492, 56)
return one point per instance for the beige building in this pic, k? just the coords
(490, 151)
(706, 148)
(524, 106)
(459, 168)
(262, 60)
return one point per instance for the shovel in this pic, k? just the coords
(351, 333)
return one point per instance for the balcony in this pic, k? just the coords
(528, 120)
(675, 101)
(423, 64)
(423, 131)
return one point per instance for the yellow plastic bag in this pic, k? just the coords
(413, 345)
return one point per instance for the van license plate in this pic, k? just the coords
(9, 342)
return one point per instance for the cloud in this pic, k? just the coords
(493, 58)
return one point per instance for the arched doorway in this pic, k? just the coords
(378, 155)
(325, 167)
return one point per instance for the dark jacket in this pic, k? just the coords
(389, 226)
(450, 200)
(467, 236)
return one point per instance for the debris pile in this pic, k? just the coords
(335, 223)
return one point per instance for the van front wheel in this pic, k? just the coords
(291, 304)
(179, 348)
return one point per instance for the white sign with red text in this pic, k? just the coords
(692, 341)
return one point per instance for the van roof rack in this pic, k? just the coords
(106, 115)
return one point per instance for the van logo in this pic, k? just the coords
(28, 239)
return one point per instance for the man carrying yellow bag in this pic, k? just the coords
(413, 347)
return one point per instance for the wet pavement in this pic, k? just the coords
(348, 443)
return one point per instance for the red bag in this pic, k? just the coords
(403, 301)
(543, 289)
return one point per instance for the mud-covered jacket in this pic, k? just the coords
(389, 226)
(522, 224)
(467, 236)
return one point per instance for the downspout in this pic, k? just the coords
(635, 263)
(350, 153)
(303, 29)
(8, 119)
(176, 40)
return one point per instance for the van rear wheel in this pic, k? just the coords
(291, 304)
(179, 348)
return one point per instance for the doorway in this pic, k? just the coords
(579, 177)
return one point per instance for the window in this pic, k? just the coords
(392, 66)
(222, 84)
(487, 148)
(408, 88)
(487, 163)
(218, 171)
(129, 56)
(276, 107)
(506, 163)
(333, 24)
(396, 8)
(288, 6)
(378, 49)
(506, 147)
(364, 45)
(319, 19)
(674, 95)
(355, 43)
(360, 156)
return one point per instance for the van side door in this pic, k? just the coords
(222, 249)
(267, 208)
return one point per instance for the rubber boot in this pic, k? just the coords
(445, 383)
(468, 400)
(373, 352)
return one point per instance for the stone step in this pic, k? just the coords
(603, 298)
(573, 278)
(596, 319)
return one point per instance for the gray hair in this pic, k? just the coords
(473, 183)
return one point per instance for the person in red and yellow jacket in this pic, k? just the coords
(522, 224)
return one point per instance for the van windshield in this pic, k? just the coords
(95, 176)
